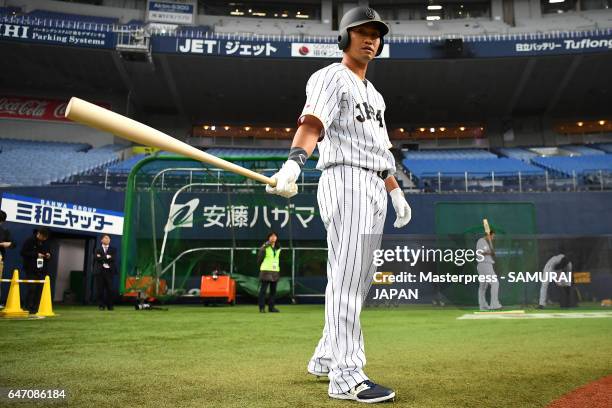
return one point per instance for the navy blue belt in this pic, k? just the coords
(383, 174)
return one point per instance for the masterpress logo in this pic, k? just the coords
(181, 215)
(587, 43)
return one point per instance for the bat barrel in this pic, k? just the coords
(105, 120)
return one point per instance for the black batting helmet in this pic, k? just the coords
(358, 16)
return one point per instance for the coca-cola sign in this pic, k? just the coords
(20, 107)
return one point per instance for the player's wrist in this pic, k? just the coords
(292, 168)
(298, 155)
(396, 194)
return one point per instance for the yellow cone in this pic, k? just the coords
(45, 308)
(13, 301)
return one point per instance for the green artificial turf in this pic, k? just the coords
(192, 356)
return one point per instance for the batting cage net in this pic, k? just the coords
(185, 220)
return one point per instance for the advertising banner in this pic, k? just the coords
(57, 214)
(57, 35)
(21, 107)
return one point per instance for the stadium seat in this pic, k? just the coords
(517, 153)
(582, 150)
(578, 165)
(35, 163)
(449, 154)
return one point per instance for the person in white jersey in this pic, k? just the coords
(485, 267)
(554, 264)
(344, 114)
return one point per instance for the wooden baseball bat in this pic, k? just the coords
(487, 228)
(102, 119)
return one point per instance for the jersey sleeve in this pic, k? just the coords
(387, 140)
(322, 97)
(482, 245)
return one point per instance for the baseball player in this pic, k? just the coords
(344, 116)
(557, 263)
(485, 267)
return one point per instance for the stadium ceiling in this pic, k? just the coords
(271, 91)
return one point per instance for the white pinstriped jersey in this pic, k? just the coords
(353, 116)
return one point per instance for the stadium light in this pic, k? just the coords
(555, 1)
(237, 13)
(302, 16)
(580, 124)
(401, 130)
(247, 128)
(226, 127)
(462, 128)
(259, 14)
(432, 18)
(602, 122)
(442, 129)
(434, 7)
(205, 127)
(422, 129)
(432, 130)
(287, 130)
(267, 129)
(213, 127)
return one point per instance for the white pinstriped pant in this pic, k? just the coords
(352, 203)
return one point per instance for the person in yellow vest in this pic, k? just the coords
(268, 259)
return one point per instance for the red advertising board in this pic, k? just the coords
(23, 107)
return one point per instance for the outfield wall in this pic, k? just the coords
(560, 214)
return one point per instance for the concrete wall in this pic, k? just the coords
(53, 131)
(535, 131)
(526, 9)
(497, 11)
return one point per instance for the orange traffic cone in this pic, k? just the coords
(45, 308)
(13, 301)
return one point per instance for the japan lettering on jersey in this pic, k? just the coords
(353, 116)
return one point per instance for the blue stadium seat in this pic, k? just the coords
(606, 147)
(579, 165)
(582, 150)
(458, 167)
(449, 154)
(33, 163)
(517, 153)
(481, 174)
(126, 166)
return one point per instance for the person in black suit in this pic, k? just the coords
(36, 254)
(104, 269)
(6, 242)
